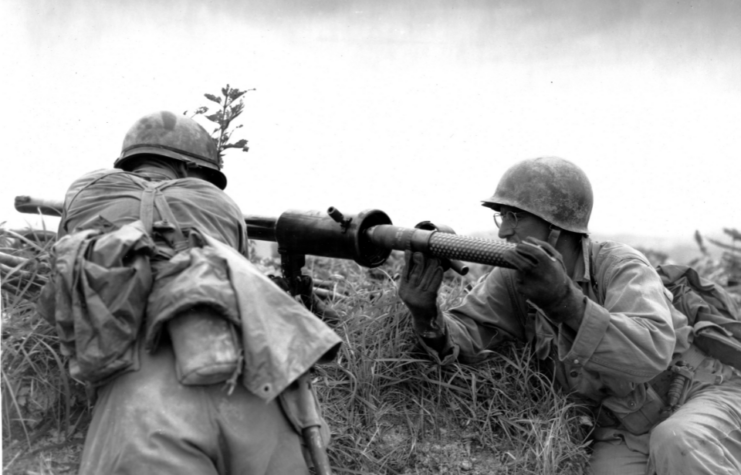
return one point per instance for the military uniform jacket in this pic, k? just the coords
(629, 334)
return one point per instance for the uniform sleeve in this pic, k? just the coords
(486, 317)
(632, 335)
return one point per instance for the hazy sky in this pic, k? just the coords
(415, 107)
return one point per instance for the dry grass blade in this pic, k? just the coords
(12, 393)
(37, 393)
(12, 261)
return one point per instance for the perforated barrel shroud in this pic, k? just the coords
(469, 249)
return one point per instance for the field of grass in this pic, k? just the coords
(390, 409)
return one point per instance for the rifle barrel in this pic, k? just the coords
(384, 236)
(31, 205)
(261, 228)
(440, 244)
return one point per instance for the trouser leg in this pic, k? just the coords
(145, 422)
(616, 452)
(703, 436)
(256, 437)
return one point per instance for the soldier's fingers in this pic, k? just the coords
(517, 261)
(534, 252)
(432, 262)
(545, 247)
(531, 249)
(432, 269)
(407, 265)
(417, 268)
(436, 278)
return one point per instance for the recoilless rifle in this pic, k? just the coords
(366, 238)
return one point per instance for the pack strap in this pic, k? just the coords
(146, 209)
(168, 227)
(170, 222)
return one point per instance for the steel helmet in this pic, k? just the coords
(173, 136)
(551, 188)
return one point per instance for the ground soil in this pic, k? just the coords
(450, 455)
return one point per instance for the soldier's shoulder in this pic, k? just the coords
(207, 190)
(613, 251)
(92, 175)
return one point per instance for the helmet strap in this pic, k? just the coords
(554, 235)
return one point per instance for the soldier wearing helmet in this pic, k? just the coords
(182, 386)
(166, 135)
(598, 314)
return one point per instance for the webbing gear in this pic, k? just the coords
(551, 188)
(166, 229)
(173, 136)
(708, 369)
(709, 309)
(202, 328)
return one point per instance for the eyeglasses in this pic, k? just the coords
(510, 216)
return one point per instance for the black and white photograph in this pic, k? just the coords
(370, 237)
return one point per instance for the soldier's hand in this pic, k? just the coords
(541, 272)
(542, 278)
(420, 282)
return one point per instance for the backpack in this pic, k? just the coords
(97, 296)
(710, 310)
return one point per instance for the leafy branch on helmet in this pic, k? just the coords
(231, 102)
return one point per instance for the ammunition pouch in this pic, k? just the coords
(206, 347)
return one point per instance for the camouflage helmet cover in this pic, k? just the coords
(173, 136)
(551, 188)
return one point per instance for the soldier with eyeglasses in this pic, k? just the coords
(598, 315)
